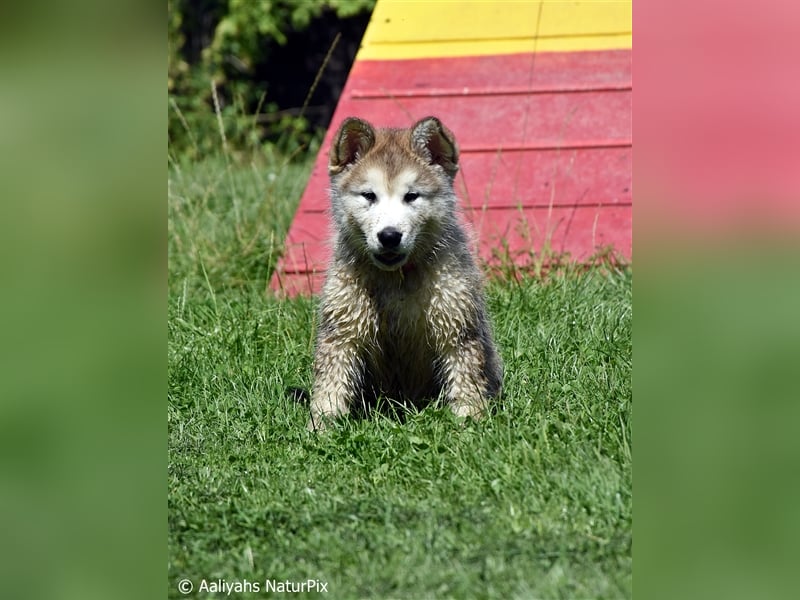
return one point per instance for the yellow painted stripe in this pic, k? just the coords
(431, 28)
(487, 47)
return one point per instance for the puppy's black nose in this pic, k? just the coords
(389, 238)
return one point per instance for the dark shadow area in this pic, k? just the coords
(290, 72)
(286, 73)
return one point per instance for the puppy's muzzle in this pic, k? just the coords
(390, 255)
(390, 238)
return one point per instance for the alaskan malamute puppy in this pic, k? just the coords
(402, 313)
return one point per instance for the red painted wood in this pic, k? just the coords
(553, 119)
(297, 284)
(306, 248)
(579, 230)
(550, 135)
(530, 178)
(547, 178)
(546, 70)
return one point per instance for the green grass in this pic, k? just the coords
(531, 502)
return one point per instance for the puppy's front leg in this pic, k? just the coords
(463, 378)
(338, 370)
(347, 322)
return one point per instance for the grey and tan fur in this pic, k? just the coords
(402, 311)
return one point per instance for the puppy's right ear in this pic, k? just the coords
(353, 140)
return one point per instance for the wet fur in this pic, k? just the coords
(411, 333)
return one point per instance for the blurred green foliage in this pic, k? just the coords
(234, 36)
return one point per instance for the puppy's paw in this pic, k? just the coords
(463, 409)
(318, 422)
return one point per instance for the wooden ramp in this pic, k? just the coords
(538, 95)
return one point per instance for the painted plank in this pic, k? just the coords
(307, 248)
(297, 284)
(578, 177)
(460, 75)
(403, 22)
(580, 231)
(402, 29)
(499, 179)
(544, 120)
(483, 47)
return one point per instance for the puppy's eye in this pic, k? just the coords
(369, 196)
(411, 196)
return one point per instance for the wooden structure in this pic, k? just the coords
(538, 95)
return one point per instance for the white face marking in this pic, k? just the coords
(389, 211)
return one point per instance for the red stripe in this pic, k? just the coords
(550, 70)
(498, 179)
(552, 119)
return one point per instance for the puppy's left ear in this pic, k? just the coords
(436, 144)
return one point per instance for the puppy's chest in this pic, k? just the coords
(403, 359)
(402, 321)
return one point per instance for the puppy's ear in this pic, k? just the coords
(436, 144)
(353, 140)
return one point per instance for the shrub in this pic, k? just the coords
(221, 57)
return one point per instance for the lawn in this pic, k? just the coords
(531, 502)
